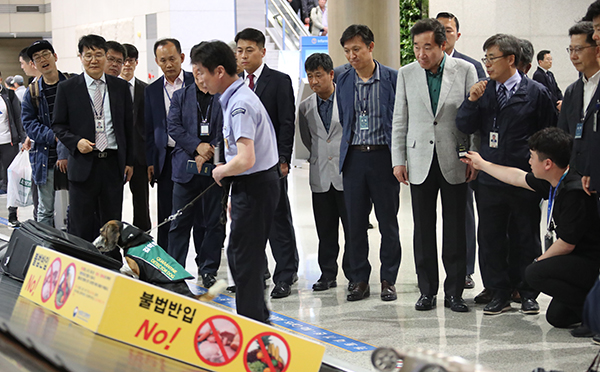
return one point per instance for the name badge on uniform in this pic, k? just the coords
(363, 122)
(579, 131)
(494, 139)
(99, 125)
(226, 143)
(204, 129)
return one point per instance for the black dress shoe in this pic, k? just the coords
(388, 291)
(516, 296)
(208, 280)
(360, 291)
(281, 290)
(498, 305)
(469, 282)
(529, 306)
(582, 331)
(485, 297)
(324, 284)
(426, 302)
(231, 289)
(294, 278)
(456, 303)
(351, 286)
(596, 339)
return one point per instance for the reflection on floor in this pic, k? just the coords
(508, 342)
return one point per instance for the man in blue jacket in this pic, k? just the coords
(195, 121)
(365, 95)
(37, 112)
(507, 110)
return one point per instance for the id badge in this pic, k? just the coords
(494, 139)
(579, 131)
(204, 129)
(99, 125)
(363, 122)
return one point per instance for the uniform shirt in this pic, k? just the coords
(168, 91)
(574, 213)
(366, 98)
(244, 116)
(108, 126)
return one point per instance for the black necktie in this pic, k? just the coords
(550, 77)
(502, 96)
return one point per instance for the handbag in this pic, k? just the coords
(19, 181)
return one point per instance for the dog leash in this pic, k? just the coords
(180, 212)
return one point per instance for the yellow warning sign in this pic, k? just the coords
(161, 321)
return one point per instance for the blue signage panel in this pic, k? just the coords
(310, 45)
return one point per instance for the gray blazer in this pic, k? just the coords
(416, 129)
(324, 147)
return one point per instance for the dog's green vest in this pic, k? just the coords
(153, 255)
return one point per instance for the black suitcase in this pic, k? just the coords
(31, 234)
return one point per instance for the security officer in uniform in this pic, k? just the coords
(252, 165)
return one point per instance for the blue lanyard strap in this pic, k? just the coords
(167, 93)
(551, 196)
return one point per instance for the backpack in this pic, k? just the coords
(34, 89)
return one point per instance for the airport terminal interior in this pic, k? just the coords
(350, 331)
(33, 338)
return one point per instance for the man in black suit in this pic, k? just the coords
(93, 119)
(450, 21)
(275, 92)
(544, 76)
(581, 96)
(452, 25)
(139, 180)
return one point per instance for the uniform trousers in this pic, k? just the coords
(165, 200)
(253, 201)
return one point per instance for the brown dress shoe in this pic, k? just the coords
(360, 291)
(485, 297)
(388, 291)
(516, 296)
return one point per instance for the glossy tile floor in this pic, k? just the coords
(508, 342)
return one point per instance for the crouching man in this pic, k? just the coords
(567, 270)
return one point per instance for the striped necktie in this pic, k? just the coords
(502, 96)
(101, 138)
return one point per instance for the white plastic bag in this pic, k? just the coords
(19, 181)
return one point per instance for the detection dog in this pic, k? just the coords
(147, 261)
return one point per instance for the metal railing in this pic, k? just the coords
(283, 25)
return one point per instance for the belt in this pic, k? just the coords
(266, 175)
(368, 148)
(104, 154)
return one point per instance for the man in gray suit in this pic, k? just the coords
(426, 150)
(321, 133)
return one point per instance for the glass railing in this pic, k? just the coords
(283, 25)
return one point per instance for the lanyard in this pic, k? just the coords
(551, 196)
(363, 109)
(167, 93)
(205, 119)
(96, 113)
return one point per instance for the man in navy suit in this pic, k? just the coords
(365, 96)
(195, 121)
(277, 95)
(139, 181)
(159, 145)
(544, 76)
(93, 119)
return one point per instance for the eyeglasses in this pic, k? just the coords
(489, 61)
(43, 55)
(578, 49)
(90, 56)
(130, 61)
(112, 59)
